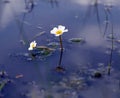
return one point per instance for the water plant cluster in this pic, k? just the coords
(58, 80)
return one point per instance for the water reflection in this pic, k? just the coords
(93, 10)
(93, 37)
(29, 5)
(76, 55)
(14, 6)
(87, 2)
(18, 6)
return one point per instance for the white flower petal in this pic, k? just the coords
(53, 31)
(60, 27)
(66, 30)
(34, 42)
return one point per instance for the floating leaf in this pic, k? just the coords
(44, 48)
(77, 40)
(46, 52)
(42, 51)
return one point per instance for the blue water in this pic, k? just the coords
(20, 23)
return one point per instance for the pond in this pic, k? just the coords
(81, 63)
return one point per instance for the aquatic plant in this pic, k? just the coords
(111, 36)
(111, 54)
(44, 51)
(58, 32)
(32, 45)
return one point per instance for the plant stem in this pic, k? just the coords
(61, 50)
(111, 54)
(107, 21)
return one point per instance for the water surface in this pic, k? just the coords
(91, 20)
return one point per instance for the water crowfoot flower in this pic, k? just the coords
(58, 32)
(32, 45)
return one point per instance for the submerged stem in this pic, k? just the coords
(111, 54)
(61, 50)
(59, 68)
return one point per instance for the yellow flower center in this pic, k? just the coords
(33, 45)
(59, 32)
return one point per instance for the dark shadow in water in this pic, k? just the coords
(24, 40)
(90, 10)
(20, 24)
(87, 15)
(29, 5)
(5, 1)
(97, 14)
(54, 3)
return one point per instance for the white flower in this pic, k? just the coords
(58, 31)
(32, 45)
